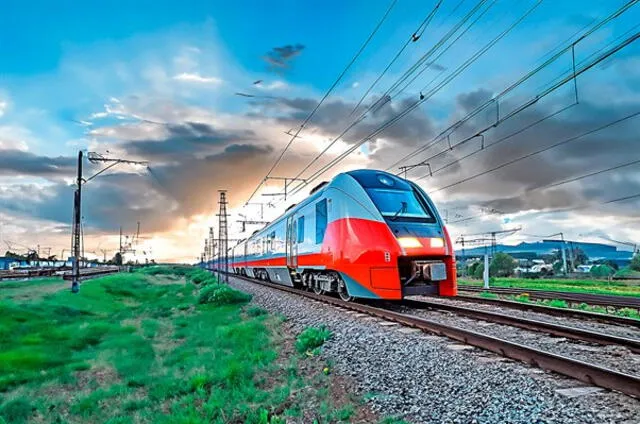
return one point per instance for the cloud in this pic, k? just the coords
(280, 57)
(197, 78)
(186, 139)
(3, 108)
(19, 162)
(275, 85)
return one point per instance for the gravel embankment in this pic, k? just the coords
(587, 324)
(427, 379)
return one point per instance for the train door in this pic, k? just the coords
(291, 241)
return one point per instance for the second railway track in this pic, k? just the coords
(572, 297)
(578, 369)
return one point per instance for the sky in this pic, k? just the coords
(206, 92)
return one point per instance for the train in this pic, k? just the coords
(366, 234)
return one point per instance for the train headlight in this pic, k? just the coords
(437, 242)
(409, 242)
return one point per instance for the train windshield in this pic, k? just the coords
(400, 205)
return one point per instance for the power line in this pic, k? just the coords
(581, 177)
(406, 75)
(412, 39)
(440, 137)
(414, 105)
(553, 146)
(326, 95)
(535, 99)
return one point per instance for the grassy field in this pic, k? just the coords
(149, 347)
(619, 288)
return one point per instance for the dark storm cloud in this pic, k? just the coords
(186, 139)
(18, 162)
(280, 57)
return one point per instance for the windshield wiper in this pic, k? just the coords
(402, 209)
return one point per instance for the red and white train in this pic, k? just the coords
(365, 234)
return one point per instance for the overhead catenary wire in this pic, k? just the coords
(528, 155)
(418, 33)
(448, 131)
(326, 95)
(532, 101)
(417, 103)
(406, 74)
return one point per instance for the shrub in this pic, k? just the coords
(635, 262)
(601, 271)
(255, 311)
(16, 411)
(478, 272)
(312, 338)
(222, 295)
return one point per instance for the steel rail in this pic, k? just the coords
(530, 324)
(550, 310)
(593, 299)
(589, 373)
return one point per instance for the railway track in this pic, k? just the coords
(529, 324)
(86, 274)
(591, 299)
(549, 310)
(580, 370)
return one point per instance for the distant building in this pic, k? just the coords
(595, 251)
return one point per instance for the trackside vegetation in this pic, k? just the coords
(619, 288)
(159, 345)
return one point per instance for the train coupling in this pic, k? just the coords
(427, 271)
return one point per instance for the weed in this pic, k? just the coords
(16, 411)
(222, 295)
(255, 311)
(312, 338)
(489, 295)
(556, 303)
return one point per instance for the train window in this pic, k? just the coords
(402, 205)
(301, 229)
(321, 220)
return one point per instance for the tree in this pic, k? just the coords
(635, 262)
(478, 271)
(502, 265)
(602, 271)
(117, 259)
(579, 257)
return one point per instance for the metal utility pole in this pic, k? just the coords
(223, 236)
(485, 274)
(76, 227)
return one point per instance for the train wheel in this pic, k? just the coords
(343, 292)
(317, 290)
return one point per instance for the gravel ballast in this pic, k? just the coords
(423, 378)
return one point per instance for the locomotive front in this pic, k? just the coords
(414, 255)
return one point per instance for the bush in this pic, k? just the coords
(16, 411)
(478, 271)
(635, 262)
(222, 295)
(312, 338)
(602, 271)
(255, 311)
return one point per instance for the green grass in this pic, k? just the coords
(620, 288)
(488, 295)
(141, 348)
(312, 338)
(556, 303)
